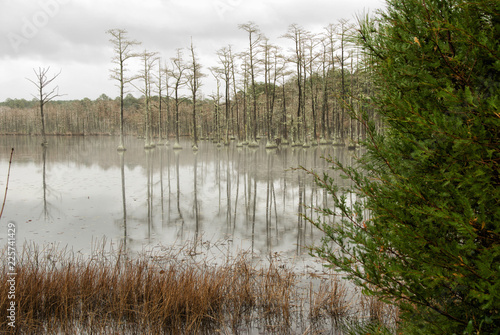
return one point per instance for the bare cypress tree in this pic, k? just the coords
(159, 88)
(332, 47)
(235, 94)
(277, 68)
(352, 124)
(345, 29)
(328, 68)
(296, 34)
(284, 73)
(177, 72)
(254, 37)
(266, 50)
(225, 73)
(194, 84)
(167, 72)
(270, 62)
(311, 44)
(216, 73)
(41, 82)
(148, 59)
(246, 117)
(122, 48)
(324, 87)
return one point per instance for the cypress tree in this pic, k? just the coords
(424, 231)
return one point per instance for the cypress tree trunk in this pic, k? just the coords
(44, 138)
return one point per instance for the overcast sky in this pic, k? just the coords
(69, 35)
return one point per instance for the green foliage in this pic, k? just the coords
(19, 103)
(103, 97)
(430, 180)
(131, 102)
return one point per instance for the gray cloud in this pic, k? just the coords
(70, 34)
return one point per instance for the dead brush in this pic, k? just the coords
(330, 300)
(275, 290)
(241, 298)
(374, 309)
(81, 294)
(58, 291)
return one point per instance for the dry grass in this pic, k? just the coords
(330, 300)
(378, 312)
(58, 291)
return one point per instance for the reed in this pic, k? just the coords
(109, 292)
(275, 291)
(377, 311)
(331, 300)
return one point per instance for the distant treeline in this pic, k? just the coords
(101, 116)
(308, 96)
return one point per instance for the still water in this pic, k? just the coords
(80, 189)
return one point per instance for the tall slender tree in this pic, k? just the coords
(123, 51)
(44, 95)
(225, 73)
(270, 69)
(160, 89)
(345, 29)
(284, 73)
(330, 39)
(217, 74)
(194, 82)
(177, 72)
(311, 55)
(148, 60)
(254, 37)
(236, 120)
(166, 74)
(325, 65)
(296, 34)
(244, 67)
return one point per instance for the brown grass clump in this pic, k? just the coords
(275, 292)
(71, 293)
(377, 311)
(58, 291)
(330, 300)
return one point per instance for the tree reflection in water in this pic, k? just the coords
(248, 197)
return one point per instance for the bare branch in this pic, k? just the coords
(41, 82)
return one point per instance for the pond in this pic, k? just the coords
(79, 190)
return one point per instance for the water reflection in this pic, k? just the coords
(44, 184)
(195, 201)
(124, 201)
(250, 198)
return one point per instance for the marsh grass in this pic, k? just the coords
(168, 292)
(330, 300)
